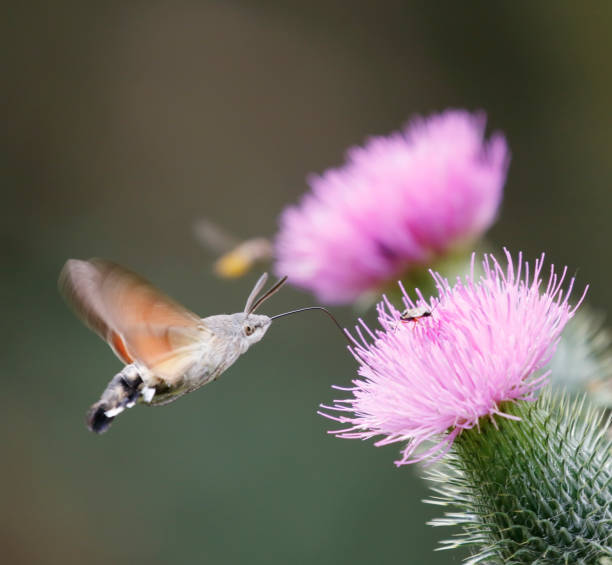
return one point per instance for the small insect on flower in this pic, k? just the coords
(168, 350)
(415, 314)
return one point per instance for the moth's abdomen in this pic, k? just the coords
(165, 394)
(122, 392)
(200, 376)
(97, 420)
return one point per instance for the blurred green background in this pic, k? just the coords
(128, 121)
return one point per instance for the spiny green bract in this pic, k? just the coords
(535, 491)
(582, 362)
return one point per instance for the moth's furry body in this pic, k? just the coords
(223, 340)
(168, 350)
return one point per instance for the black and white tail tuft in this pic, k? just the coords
(122, 392)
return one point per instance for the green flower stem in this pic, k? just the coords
(535, 491)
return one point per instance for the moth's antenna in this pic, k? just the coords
(315, 308)
(273, 290)
(256, 290)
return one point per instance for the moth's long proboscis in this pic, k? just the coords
(315, 308)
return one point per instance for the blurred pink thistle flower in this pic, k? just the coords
(400, 201)
(485, 343)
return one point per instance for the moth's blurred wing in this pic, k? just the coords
(174, 365)
(138, 321)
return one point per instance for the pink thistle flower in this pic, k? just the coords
(399, 202)
(486, 342)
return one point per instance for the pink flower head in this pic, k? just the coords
(398, 202)
(486, 342)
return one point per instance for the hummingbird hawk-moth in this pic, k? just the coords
(168, 350)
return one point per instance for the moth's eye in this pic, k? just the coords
(248, 330)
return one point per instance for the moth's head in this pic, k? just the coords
(251, 327)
